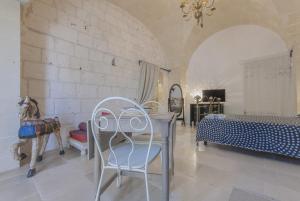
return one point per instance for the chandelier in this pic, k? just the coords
(197, 8)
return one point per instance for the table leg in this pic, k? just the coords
(173, 147)
(97, 167)
(165, 169)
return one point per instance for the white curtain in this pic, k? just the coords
(163, 90)
(148, 82)
(270, 86)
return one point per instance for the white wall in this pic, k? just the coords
(67, 50)
(9, 80)
(217, 63)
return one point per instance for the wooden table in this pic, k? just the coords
(163, 125)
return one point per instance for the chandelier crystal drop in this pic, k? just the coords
(197, 9)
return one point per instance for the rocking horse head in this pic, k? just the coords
(29, 109)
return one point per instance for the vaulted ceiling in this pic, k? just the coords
(179, 38)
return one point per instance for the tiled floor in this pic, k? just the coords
(202, 173)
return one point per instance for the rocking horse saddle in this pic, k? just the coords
(34, 128)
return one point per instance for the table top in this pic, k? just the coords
(162, 116)
(207, 103)
(154, 116)
(161, 123)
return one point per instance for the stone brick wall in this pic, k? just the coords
(9, 81)
(293, 35)
(67, 52)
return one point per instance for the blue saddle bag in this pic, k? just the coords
(27, 131)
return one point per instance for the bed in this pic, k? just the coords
(277, 135)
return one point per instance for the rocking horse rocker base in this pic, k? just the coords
(23, 156)
(31, 173)
(40, 158)
(38, 131)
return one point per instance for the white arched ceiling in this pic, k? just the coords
(217, 62)
(180, 39)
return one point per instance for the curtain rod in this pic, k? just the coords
(165, 69)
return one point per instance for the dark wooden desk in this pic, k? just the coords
(203, 110)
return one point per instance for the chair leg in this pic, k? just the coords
(147, 187)
(99, 186)
(161, 158)
(119, 179)
(173, 164)
(82, 152)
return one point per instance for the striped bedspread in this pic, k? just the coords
(267, 134)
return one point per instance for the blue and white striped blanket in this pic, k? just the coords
(267, 134)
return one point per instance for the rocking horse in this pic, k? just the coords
(32, 127)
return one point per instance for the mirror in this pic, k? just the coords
(176, 102)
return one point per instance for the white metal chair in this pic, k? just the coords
(129, 155)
